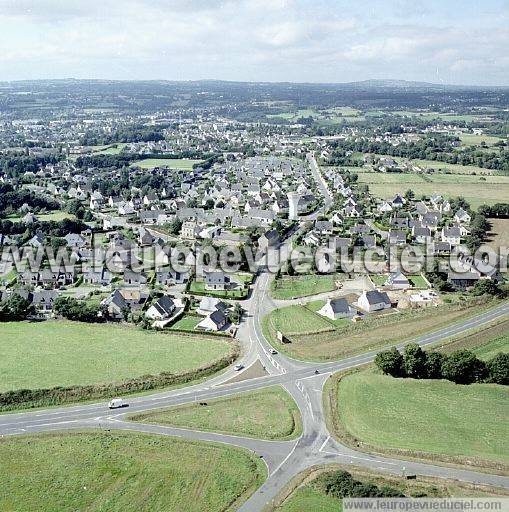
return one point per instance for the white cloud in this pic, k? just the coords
(243, 39)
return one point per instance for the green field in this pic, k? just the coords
(172, 163)
(268, 413)
(296, 320)
(301, 286)
(62, 353)
(469, 139)
(432, 417)
(123, 472)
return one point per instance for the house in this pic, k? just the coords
(162, 309)
(213, 322)
(115, 305)
(397, 280)
(336, 308)
(421, 234)
(462, 217)
(75, 241)
(171, 277)
(324, 227)
(36, 241)
(134, 278)
(398, 201)
(397, 237)
(144, 237)
(190, 229)
(268, 239)
(451, 235)
(216, 281)
(463, 280)
(374, 300)
(210, 304)
(101, 277)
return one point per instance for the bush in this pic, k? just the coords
(390, 362)
(433, 364)
(463, 367)
(414, 361)
(498, 369)
(15, 308)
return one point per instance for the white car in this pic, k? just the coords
(273, 351)
(117, 403)
(238, 367)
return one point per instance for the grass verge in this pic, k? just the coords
(268, 413)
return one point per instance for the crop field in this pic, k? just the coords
(301, 286)
(62, 353)
(493, 347)
(429, 416)
(268, 413)
(172, 163)
(312, 341)
(123, 472)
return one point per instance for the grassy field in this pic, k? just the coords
(60, 353)
(426, 416)
(297, 320)
(307, 496)
(350, 338)
(268, 413)
(172, 163)
(475, 193)
(301, 286)
(123, 472)
(469, 139)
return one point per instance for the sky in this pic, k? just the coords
(448, 41)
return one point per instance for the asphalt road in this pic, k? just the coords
(284, 459)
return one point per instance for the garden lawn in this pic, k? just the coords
(431, 416)
(63, 353)
(187, 322)
(268, 413)
(123, 472)
(301, 286)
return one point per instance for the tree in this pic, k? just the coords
(414, 361)
(236, 315)
(76, 310)
(409, 194)
(434, 361)
(498, 369)
(487, 287)
(390, 362)
(463, 367)
(175, 226)
(15, 308)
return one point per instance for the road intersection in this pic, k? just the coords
(284, 459)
